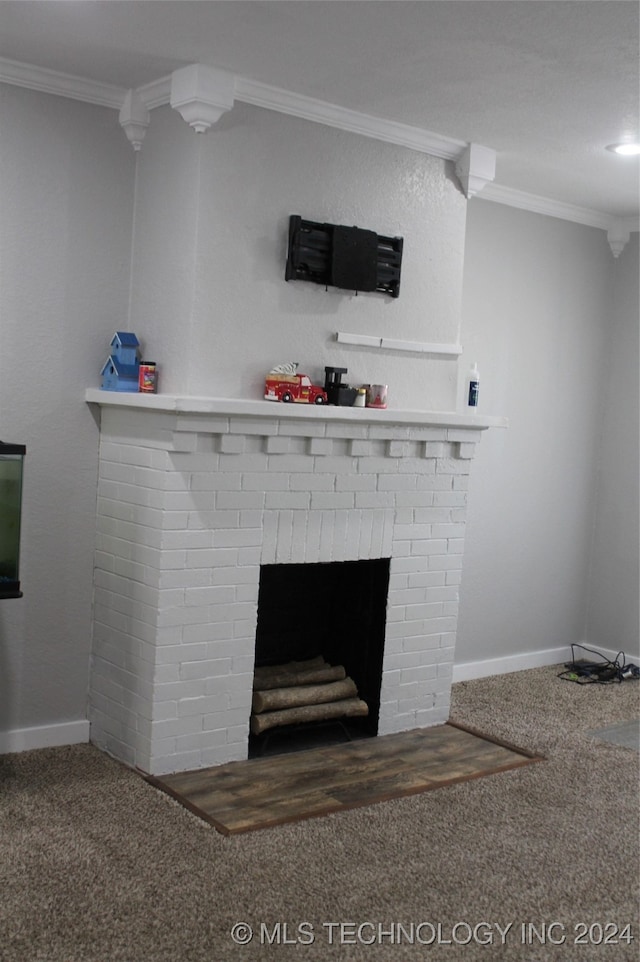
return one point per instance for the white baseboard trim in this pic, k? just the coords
(507, 663)
(466, 671)
(44, 736)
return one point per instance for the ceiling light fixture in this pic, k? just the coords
(625, 150)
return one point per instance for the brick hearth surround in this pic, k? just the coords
(195, 494)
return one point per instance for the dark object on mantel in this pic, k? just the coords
(346, 257)
(11, 460)
(337, 392)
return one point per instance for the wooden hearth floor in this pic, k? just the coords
(263, 792)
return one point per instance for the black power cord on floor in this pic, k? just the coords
(605, 672)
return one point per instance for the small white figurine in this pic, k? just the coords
(289, 367)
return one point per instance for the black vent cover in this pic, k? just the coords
(345, 257)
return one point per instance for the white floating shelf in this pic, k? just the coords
(389, 344)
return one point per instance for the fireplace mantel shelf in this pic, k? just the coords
(243, 407)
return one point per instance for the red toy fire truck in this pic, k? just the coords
(293, 387)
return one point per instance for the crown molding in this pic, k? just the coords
(332, 115)
(546, 205)
(618, 229)
(61, 84)
(158, 93)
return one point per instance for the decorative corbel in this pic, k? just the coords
(201, 95)
(475, 168)
(134, 118)
(618, 236)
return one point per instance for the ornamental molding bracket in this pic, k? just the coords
(201, 95)
(618, 235)
(134, 118)
(475, 168)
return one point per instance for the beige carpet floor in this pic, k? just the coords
(96, 865)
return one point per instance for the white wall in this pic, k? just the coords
(537, 315)
(229, 194)
(612, 614)
(165, 247)
(66, 179)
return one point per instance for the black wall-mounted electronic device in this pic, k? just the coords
(346, 257)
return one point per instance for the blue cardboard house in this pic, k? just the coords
(120, 370)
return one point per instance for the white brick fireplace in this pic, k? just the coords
(195, 494)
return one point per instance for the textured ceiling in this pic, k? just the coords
(546, 83)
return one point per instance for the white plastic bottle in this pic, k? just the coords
(473, 386)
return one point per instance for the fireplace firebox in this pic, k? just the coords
(334, 613)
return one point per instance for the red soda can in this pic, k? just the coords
(147, 377)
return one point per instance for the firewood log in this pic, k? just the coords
(291, 679)
(308, 672)
(294, 697)
(348, 708)
(266, 671)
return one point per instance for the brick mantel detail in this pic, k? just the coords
(192, 502)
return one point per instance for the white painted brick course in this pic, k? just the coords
(448, 530)
(450, 498)
(320, 446)
(335, 429)
(314, 527)
(373, 499)
(360, 448)
(378, 465)
(451, 466)
(335, 500)
(406, 563)
(303, 429)
(243, 462)
(263, 481)
(237, 537)
(461, 483)
(184, 442)
(435, 449)
(210, 521)
(249, 556)
(338, 552)
(284, 537)
(417, 466)
(462, 435)
(334, 464)
(424, 433)
(312, 482)
(277, 445)
(395, 432)
(239, 499)
(207, 481)
(247, 426)
(298, 537)
(291, 463)
(396, 482)
(202, 424)
(465, 451)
